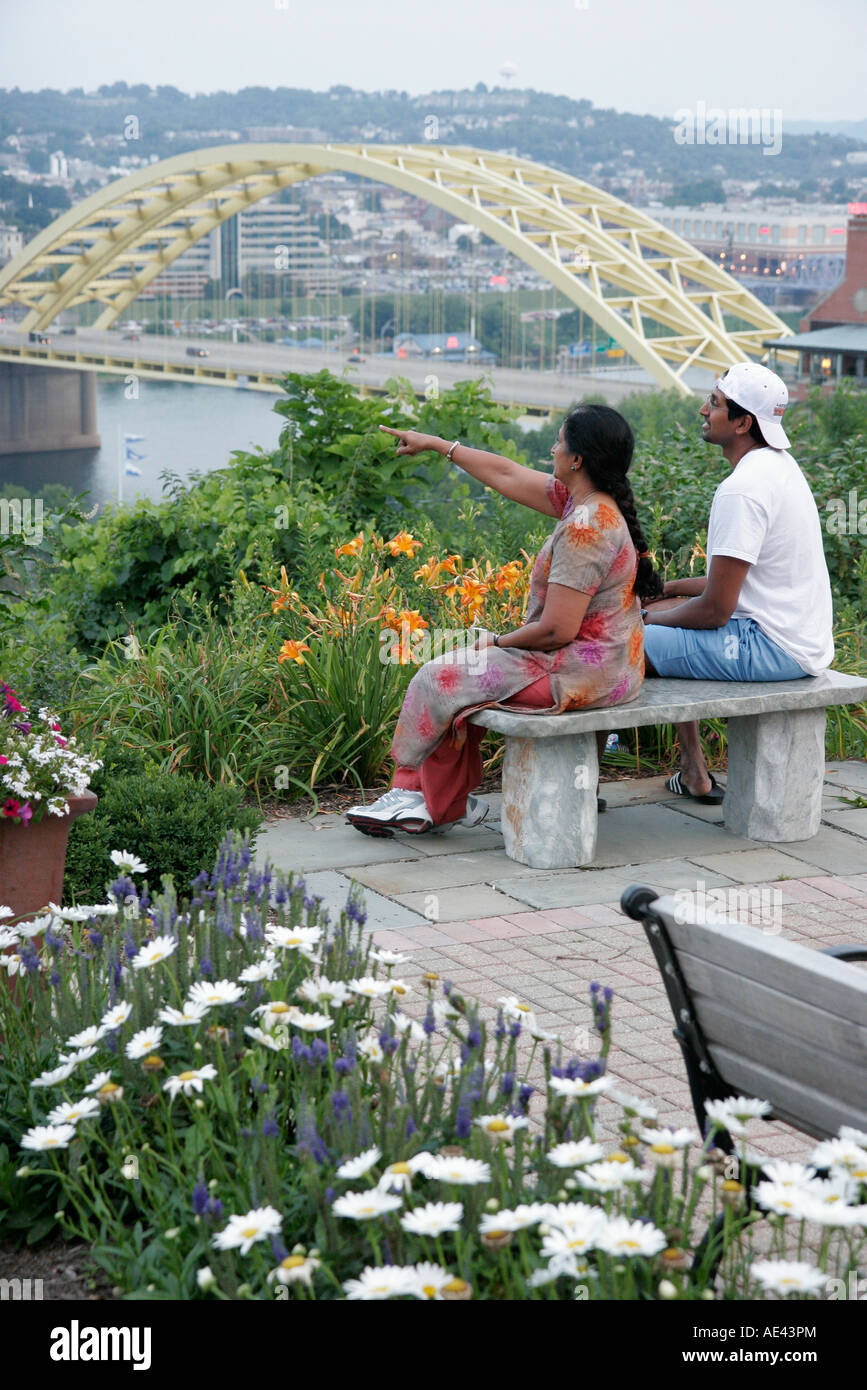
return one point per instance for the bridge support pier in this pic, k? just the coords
(43, 409)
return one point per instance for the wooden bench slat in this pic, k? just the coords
(798, 1105)
(830, 984)
(796, 1020)
(787, 1057)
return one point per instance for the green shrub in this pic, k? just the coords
(173, 822)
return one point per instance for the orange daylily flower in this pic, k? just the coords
(472, 592)
(412, 617)
(508, 576)
(293, 651)
(429, 571)
(403, 544)
(353, 547)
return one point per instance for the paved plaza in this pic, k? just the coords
(456, 905)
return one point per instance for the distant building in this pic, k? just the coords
(847, 303)
(11, 242)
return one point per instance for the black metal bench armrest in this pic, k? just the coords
(846, 952)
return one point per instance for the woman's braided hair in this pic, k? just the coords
(606, 443)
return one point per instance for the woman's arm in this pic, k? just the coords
(558, 625)
(528, 486)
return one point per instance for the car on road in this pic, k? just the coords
(131, 337)
(37, 336)
(69, 329)
(197, 352)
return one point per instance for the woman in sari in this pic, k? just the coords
(581, 645)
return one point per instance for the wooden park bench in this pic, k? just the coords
(762, 1017)
(776, 760)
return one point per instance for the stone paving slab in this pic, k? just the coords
(544, 888)
(848, 774)
(334, 888)
(444, 871)
(754, 865)
(629, 835)
(456, 904)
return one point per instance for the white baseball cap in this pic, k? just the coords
(763, 394)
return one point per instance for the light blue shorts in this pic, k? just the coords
(740, 651)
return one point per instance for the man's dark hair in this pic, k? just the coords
(737, 412)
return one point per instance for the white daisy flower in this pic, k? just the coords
(582, 1231)
(323, 990)
(789, 1276)
(264, 969)
(88, 1037)
(397, 1177)
(361, 1164)
(854, 1136)
(82, 911)
(8, 937)
(276, 1014)
(213, 994)
(154, 951)
(38, 925)
(578, 1089)
(370, 1049)
(383, 957)
(572, 1153)
(144, 1042)
(295, 1269)
(539, 1034)
(399, 988)
(515, 1008)
(99, 1080)
(747, 1108)
(242, 1232)
(443, 1010)
(369, 988)
(54, 1077)
(81, 1054)
(503, 1127)
(464, 1172)
(292, 938)
(611, 1175)
(190, 1081)
(6, 912)
(70, 1112)
(783, 1174)
(665, 1144)
(430, 1280)
(734, 1112)
(433, 1219)
(44, 1137)
(12, 963)
(387, 1281)
(363, 1206)
(842, 1154)
(116, 1017)
(278, 1042)
(783, 1200)
(404, 1024)
(639, 1109)
(310, 1022)
(185, 1017)
(515, 1219)
(630, 1238)
(129, 863)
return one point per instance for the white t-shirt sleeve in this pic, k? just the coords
(737, 527)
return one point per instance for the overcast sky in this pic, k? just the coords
(804, 58)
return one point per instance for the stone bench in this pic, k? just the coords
(776, 760)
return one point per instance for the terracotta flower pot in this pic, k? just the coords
(33, 858)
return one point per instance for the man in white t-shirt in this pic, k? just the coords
(763, 611)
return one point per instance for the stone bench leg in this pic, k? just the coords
(549, 800)
(776, 770)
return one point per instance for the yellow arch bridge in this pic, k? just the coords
(665, 303)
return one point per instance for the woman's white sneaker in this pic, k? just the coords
(382, 815)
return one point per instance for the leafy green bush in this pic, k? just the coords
(173, 822)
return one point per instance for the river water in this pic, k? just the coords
(186, 429)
